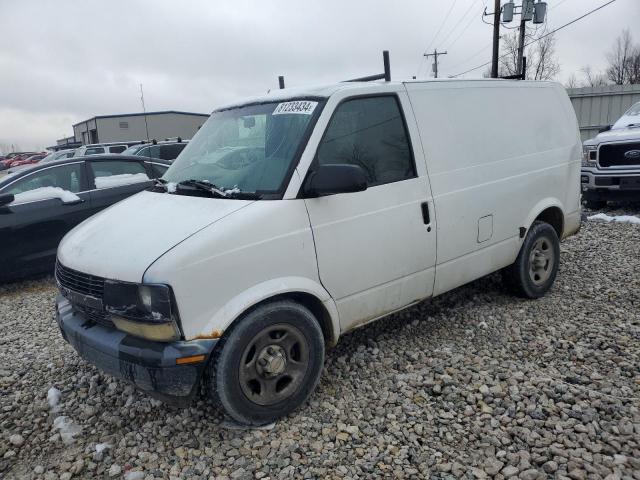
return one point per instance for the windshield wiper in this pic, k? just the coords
(244, 195)
(159, 183)
(202, 185)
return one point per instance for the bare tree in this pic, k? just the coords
(542, 63)
(572, 81)
(593, 79)
(619, 58)
(633, 66)
(508, 62)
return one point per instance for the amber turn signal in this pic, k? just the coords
(191, 359)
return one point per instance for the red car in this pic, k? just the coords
(28, 160)
(15, 156)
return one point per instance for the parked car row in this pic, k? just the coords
(165, 150)
(20, 158)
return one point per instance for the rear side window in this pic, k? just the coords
(117, 149)
(158, 169)
(170, 152)
(94, 151)
(66, 177)
(369, 132)
(107, 169)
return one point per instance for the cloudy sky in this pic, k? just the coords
(64, 61)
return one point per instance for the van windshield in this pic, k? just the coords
(246, 149)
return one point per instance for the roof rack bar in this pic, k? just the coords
(387, 65)
(281, 82)
(369, 78)
(386, 76)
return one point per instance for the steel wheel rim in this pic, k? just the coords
(274, 364)
(542, 260)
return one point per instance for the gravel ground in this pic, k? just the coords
(473, 384)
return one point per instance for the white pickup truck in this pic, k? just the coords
(611, 162)
(297, 216)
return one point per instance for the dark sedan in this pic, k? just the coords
(39, 204)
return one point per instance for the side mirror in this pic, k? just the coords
(604, 129)
(6, 199)
(335, 178)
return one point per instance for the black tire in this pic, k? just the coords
(258, 340)
(595, 204)
(535, 269)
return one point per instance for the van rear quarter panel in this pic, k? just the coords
(501, 148)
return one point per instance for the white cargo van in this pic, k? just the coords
(292, 218)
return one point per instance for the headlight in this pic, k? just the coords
(589, 156)
(144, 310)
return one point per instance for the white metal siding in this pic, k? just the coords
(597, 107)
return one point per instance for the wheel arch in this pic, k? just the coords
(549, 211)
(304, 291)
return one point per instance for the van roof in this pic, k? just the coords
(325, 91)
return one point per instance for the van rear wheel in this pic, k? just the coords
(536, 267)
(269, 364)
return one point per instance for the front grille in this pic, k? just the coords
(80, 282)
(93, 314)
(613, 154)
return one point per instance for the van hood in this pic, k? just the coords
(122, 241)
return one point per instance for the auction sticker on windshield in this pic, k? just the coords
(303, 107)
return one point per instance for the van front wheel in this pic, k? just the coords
(269, 364)
(535, 269)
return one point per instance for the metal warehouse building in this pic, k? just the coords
(134, 126)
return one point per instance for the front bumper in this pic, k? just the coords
(609, 185)
(150, 366)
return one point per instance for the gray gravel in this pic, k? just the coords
(473, 384)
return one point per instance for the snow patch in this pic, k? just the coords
(101, 447)
(603, 217)
(232, 191)
(231, 425)
(171, 187)
(53, 398)
(119, 180)
(45, 193)
(68, 429)
(134, 475)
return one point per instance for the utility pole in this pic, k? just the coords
(522, 31)
(530, 10)
(435, 55)
(496, 39)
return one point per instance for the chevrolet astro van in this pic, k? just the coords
(295, 217)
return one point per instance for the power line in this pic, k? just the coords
(465, 28)
(462, 19)
(438, 32)
(541, 37)
(472, 56)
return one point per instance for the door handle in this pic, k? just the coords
(425, 215)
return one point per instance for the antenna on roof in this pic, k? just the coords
(281, 82)
(380, 76)
(146, 126)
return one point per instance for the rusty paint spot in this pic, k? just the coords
(209, 336)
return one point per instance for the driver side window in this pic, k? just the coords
(369, 132)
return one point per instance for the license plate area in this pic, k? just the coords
(630, 183)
